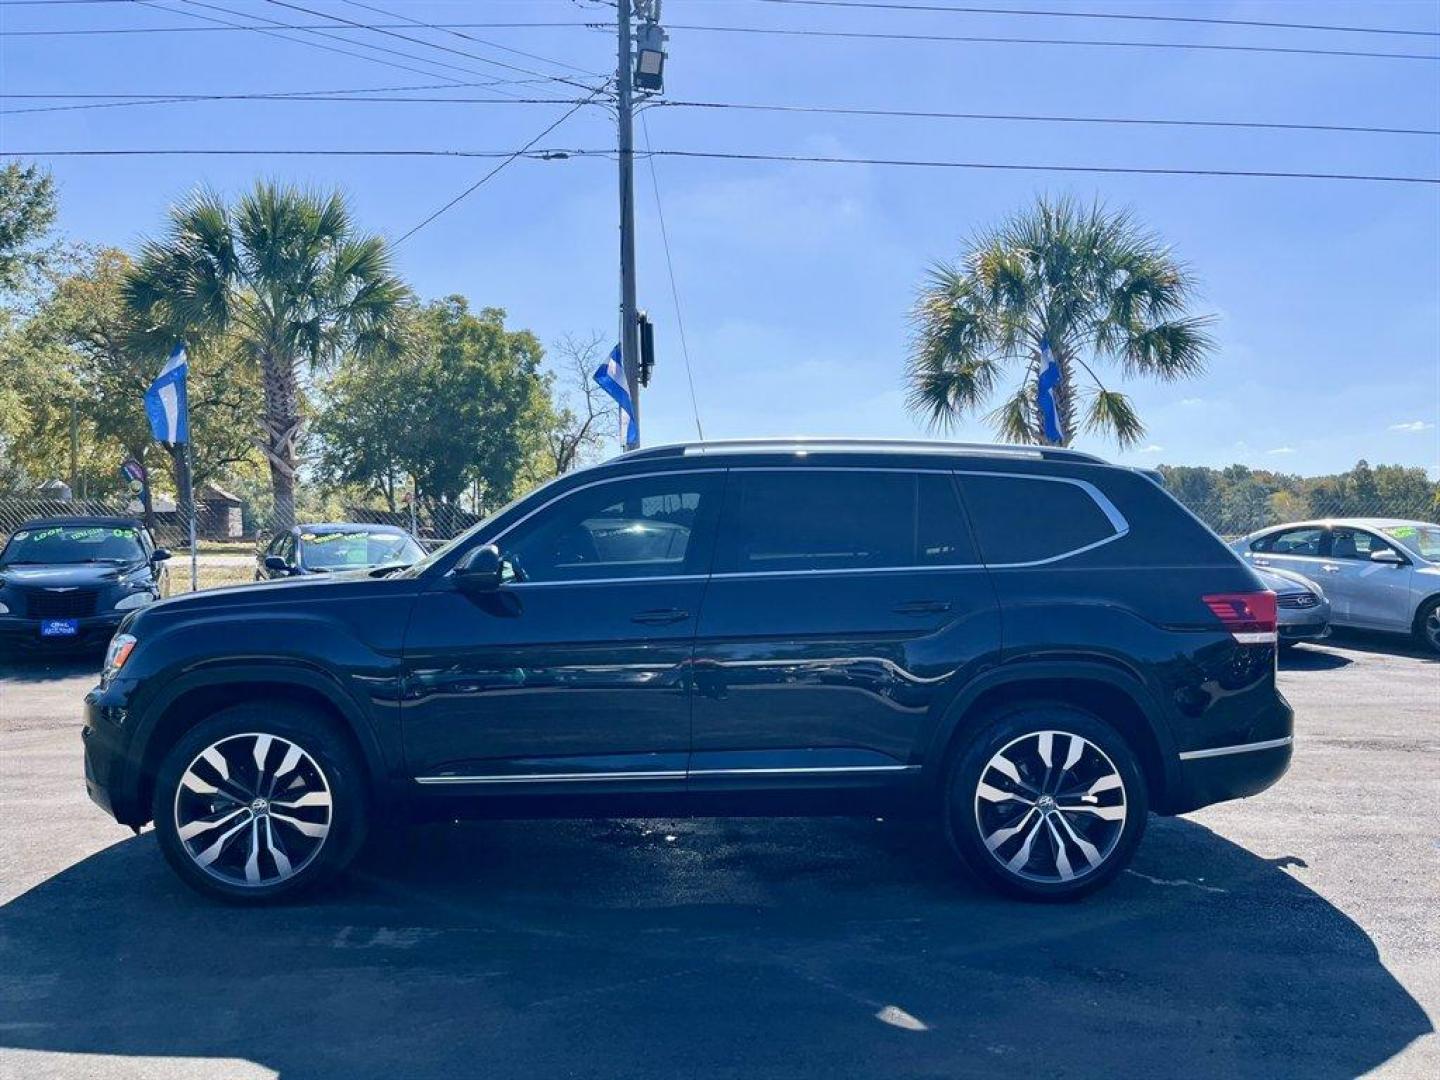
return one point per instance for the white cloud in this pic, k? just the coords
(1282, 450)
(1191, 402)
(1412, 426)
(1153, 448)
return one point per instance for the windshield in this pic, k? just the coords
(65, 544)
(1423, 540)
(352, 550)
(418, 568)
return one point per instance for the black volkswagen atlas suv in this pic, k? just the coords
(1035, 647)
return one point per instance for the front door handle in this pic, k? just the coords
(660, 616)
(1330, 568)
(921, 607)
(1262, 562)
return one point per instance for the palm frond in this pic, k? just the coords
(1014, 419)
(1112, 413)
(1168, 351)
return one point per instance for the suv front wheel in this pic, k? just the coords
(259, 802)
(1046, 803)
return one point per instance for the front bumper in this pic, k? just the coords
(1304, 631)
(19, 634)
(112, 780)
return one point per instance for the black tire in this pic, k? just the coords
(324, 789)
(1019, 822)
(1427, 625)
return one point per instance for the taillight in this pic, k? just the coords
(1249, 616)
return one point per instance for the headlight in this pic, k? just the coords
(134, 600)
(4, 609)
(121, 646)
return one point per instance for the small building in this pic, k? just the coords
(220, 516)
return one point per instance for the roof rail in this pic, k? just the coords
(821, 443)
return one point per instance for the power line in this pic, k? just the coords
(1043, 118)
(468, 37)
(382, 95)
(557, 154)
(1128, 170)
(518, 153)
(974, 39)
(430, 44)
(1194, 19)
(304, 41)
(302, 98)
(103, 31)
(670, 269)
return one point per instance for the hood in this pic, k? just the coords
(280, 591)
(66, 575)
(1287, 581)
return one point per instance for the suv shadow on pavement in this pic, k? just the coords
(636, 949)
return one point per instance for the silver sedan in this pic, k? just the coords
(1379, 573)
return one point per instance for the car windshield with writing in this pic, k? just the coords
(1423, 540)
(62, 545)
(356, 549)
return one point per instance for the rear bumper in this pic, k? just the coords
(1238, 770)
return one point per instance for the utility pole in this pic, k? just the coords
(629, 330)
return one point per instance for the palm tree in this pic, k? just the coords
(1094, 285)
(289, 277)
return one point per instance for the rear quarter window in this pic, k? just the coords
(1023, 519)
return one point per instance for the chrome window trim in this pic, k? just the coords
(1112, 514)
(1239, 748)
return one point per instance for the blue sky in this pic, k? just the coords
(795, 279)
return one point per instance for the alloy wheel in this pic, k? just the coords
(253, 810)
(1432, 627)
(1050, 807)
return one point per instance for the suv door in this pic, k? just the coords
(844, 607)
(575, 670)
(1363, 592)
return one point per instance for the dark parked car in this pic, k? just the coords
(1033, 646)
(333, 546)
(67, 582)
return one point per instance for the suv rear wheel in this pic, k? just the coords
(1046, 803)
(259, 802)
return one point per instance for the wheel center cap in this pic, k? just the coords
(259, 807)
(1045, 804)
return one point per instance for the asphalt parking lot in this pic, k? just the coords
(1293, 934)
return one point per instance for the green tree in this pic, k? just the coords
(463, 405)
(27, 210)
(1092, 283)
(290, 278)
(111, 358)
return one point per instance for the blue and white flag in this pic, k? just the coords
(166, 402)
(1049, 383)
(611, 378)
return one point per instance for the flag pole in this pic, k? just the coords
(190, 485)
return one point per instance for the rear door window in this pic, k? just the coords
(1021, 519)
(807, 520)
(1301, 541)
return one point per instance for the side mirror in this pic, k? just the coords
(1387, 555)
(482, 570)
(159, 555)
(276, 563)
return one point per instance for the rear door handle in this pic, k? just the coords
(921, 607)
(1262, 562)
(660, 616)
(1329, 568)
